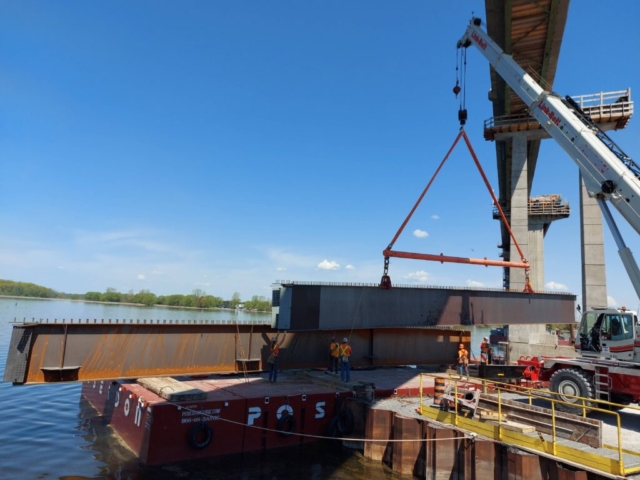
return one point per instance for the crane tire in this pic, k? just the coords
(346, 421)
(571, 381)
(286, 424)
(200, 436)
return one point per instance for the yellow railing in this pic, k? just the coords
(584, 404)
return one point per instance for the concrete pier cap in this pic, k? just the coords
(300, 306)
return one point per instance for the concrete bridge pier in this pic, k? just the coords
(594, 281)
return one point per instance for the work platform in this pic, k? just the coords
(608, 110)
(601, 446)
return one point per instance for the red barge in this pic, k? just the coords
(221, 415)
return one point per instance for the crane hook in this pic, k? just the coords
(456, 89)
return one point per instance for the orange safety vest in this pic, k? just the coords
(485, 347)
(334, 349)
(463, 356)
(345, 350)
(275, 349)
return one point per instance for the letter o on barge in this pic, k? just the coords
(286, 424)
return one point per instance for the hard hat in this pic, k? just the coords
(486, 338)
(462, 345)
(344, 340)
(274, 339)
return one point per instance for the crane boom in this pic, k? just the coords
(608, 173)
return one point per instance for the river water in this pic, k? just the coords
(50, 432)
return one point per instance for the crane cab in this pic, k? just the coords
(608, 333)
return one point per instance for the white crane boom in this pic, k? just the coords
(608, 173)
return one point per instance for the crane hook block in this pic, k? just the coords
(462, 116)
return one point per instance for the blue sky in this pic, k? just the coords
(224, 145)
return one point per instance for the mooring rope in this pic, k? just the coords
(319, 437)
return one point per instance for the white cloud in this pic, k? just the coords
(280, 269)
(555, 286)
(435, 217)
(611, 302)
(473, 283)
(350, 267)
(328, 265)
(420, 275)
(141, 277)
(420, 233)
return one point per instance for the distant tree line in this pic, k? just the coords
(22, 289)
(197, 299)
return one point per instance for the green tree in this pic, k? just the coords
(144, 297)
(174, 300)
(199, 297)
(188, 301)
(258, 303)
(111, 295)
(22, 289)
(212, 302)
(92, 296)
(235, 300)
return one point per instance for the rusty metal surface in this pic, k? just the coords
(330, 306)
(80, 352)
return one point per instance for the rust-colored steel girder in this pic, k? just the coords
(46, 352)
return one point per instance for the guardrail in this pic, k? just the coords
(124, 321)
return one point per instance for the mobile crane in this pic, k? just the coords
(608, 343)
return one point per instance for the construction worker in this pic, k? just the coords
(274, 352)
(345, 356)
(334, 355)
(485, 352)
(463, 360)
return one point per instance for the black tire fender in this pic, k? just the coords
(333, 431)
(571, 381)
(346, 421)
(200, 436)
(286, 424)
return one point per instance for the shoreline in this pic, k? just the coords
(129, 304)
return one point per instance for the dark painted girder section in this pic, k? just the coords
(308, 306)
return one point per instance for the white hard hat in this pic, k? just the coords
(274, 339)
(486, 338)
(344, 340)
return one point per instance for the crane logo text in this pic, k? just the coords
(481, 43)
(549, 113)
